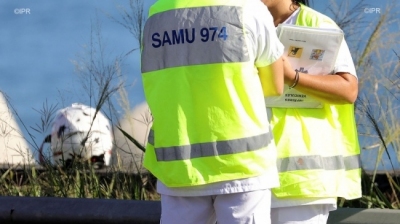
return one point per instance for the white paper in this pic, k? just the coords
(309, 50)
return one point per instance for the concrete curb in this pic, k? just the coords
(364, 216)
(77, 210)
(110, 211)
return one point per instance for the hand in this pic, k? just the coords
(288, 71)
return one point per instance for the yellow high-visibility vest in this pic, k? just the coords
(207, 102)
(318, 149)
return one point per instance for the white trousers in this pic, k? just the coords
(238, 208)
(303, 214)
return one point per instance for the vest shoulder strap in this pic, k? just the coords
(311, 18)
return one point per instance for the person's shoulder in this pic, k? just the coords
(254, 5)
(256, 9)
(315, 18)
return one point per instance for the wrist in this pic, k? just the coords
(289, 76)
(295, 80)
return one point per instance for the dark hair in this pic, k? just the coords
(304, 2)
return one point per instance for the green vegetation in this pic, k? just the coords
(78, 181)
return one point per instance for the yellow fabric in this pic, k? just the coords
(206, 170)
(204, 91)
(161, 6)
(202, 104)
(329, 131)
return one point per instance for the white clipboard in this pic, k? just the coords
(310, 50)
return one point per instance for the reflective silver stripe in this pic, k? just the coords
(194, 36)
(210, 148)
(150, 138)
(352, 162)
(318, 162)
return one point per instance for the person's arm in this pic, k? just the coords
(340, 88)
(268, 51)
(272, 78)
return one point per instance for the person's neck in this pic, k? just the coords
(282, 10)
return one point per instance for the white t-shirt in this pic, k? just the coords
(259, 28)
(344, 63)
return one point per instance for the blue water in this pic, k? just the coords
(37, 50)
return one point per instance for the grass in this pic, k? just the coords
(78, 181)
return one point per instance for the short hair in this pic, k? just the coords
(304, 2)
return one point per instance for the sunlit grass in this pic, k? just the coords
(79, 181)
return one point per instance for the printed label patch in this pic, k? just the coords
(317, 54)
(213, 35)
(295, 52)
